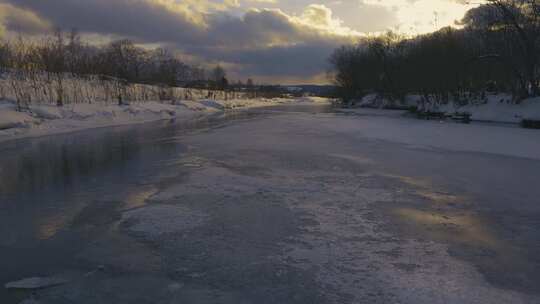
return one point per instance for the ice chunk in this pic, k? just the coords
(36, 283)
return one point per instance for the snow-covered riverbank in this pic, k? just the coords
(43, 120)
(493, 108)
(500, 109)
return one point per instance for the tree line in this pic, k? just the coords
(497, 49)
(122, 59)
(48, 67)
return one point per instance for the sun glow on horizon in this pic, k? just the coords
(424, 16)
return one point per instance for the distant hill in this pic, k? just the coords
(317, 90)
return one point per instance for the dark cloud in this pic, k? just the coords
(140, 19)
(299, 61)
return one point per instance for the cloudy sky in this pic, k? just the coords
(274, 41)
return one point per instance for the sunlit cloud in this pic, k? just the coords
(322, 18)
(20, 20)
(424, 16)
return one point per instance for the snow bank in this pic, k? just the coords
(47, 112)
(96, 89)
(370, 101)
(376, 101)
(10, 118)
(492, 108)
(496, 108)
(314, 99)
(48, 119)
(499, 109)
(45, 119)
(212, 104)
(430, 134)
(193, 105)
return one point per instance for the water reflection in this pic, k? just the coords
(36, 165)
(49, 226)
(45, 182)
(49, 162)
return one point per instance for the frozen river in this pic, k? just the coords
(293, 205)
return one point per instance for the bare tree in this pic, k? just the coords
(219, 77)
(60, 68)
(512, 30)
